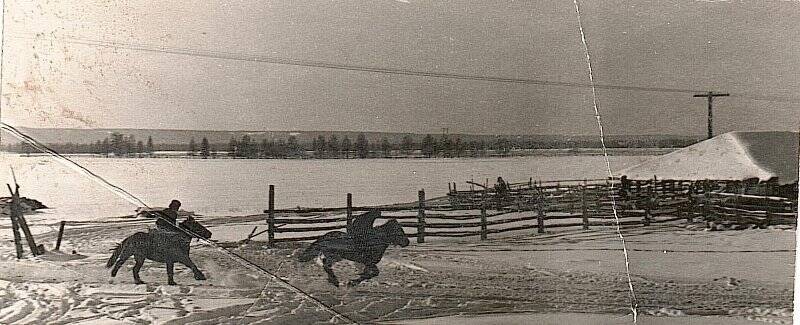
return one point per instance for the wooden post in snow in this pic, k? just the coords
(421, 217)
(483, 221)
(688, 214)
(584, 208)
(767, 218)
(540, 220)
(271, 217)
(706, 208)
(60, 234)
(15, 230)
(349, 211)
(650, 204)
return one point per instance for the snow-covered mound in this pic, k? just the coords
(766, 155)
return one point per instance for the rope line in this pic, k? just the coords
(260, 295)
(136, 201)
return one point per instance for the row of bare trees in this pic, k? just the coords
(333, 147)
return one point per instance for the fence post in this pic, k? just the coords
(421, 217)
(483, 221)
(60, 234)
(584, 209)
(768, 219)
(271, 217)
(349, 210)
(652, 203)
(17, 237)
(648, 207)
(540, 210)
(689, 216)
(540, 220)
(16, 210)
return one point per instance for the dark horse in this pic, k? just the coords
(362, 243)
(161, 246)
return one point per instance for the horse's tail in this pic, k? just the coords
(310, 253)
(114, 256)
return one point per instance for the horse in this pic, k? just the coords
(366, 247)
(161, 246)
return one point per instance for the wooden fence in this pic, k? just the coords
(543, 205)
(749, 209)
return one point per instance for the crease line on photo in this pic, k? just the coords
(634, 303)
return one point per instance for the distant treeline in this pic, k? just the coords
(122, 145)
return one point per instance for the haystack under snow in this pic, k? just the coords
(765, 155)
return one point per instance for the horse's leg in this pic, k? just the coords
(123, 257)
(171, 273)
(136, 268)
(327, 264)
(198, 275)
(370, 271)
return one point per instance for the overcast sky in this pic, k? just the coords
(747, 48)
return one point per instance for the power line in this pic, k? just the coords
(249, 57)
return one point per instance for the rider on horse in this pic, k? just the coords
(362, 230)
(168, 218)
(362, 243)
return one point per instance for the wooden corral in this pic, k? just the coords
(544, 205)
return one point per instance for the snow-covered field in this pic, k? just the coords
(239, 186)
(680, 275)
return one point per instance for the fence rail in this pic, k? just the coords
(544, 205)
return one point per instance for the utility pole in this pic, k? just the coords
(710, 95)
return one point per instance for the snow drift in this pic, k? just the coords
(766, 155)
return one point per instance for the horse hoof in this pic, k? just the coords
(202, 277)
(353, 283)
(172, 283)
(334, 283)
(140, 282)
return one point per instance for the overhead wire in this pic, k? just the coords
(260, 58)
